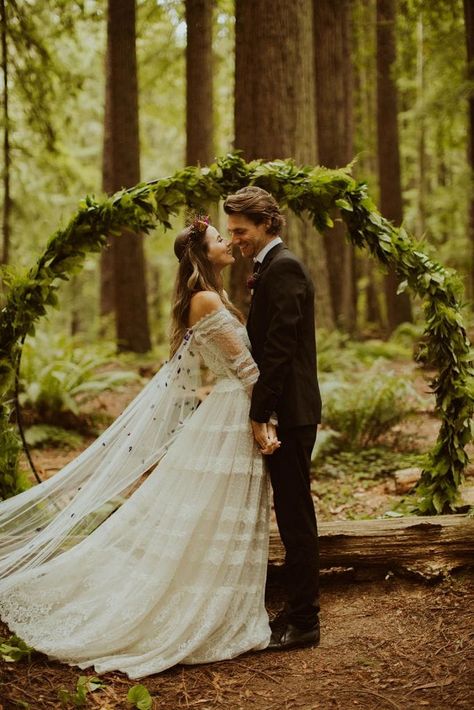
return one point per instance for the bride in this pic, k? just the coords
(103, 566)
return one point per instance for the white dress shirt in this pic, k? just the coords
(263, 252)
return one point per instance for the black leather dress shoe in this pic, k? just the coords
(279, 621)
(291, 637)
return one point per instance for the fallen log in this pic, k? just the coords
(406, 479)
(428, 546)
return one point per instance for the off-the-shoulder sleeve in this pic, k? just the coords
(219, 330)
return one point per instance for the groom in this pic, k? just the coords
(281, 330)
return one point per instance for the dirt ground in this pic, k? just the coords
(387, 644)
(391, 643)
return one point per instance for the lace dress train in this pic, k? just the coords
(177, 573)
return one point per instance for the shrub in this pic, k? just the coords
(363, 410)
(40, 435)
(333, 351)
(337, 352)
(58, 376)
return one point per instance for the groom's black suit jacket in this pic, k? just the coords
(281, 330)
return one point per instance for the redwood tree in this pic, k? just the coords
(469, 21)
(123, 282)
(6, 140)
(333, 72)
(274, 112)
(388, 153)
(199, 104)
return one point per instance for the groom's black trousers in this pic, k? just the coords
(289, 470)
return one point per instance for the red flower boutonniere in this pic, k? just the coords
(252, 281)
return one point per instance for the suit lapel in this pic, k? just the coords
(270, 256)
(265, 264)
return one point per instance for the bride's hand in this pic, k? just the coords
(274, 443)
(266, 437)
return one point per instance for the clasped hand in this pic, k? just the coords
(266, 437)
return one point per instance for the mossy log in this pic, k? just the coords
(430, 546)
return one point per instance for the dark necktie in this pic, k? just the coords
(256, 267)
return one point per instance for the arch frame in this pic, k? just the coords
(314, 191)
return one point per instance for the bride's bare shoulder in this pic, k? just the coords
(202, 304)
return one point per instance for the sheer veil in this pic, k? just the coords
(45, 520)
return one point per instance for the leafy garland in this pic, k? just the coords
(316, 191)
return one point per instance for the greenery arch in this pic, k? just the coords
(313, 190)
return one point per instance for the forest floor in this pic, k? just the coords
(390, 643)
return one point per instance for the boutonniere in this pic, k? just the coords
(252, 281)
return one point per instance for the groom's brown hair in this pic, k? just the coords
(258, 206)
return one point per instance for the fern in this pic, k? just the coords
(364, 410)
(58, 375)
(40, 435)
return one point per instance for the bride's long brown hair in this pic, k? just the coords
(195, 273)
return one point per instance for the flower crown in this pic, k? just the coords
(195, 228)
(198, 226)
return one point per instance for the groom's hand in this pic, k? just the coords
(265, 436)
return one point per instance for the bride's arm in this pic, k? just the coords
(215, 324)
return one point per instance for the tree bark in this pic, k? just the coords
(199, 103)
(123, 277)
(427, 546)
(6, 142)
(398, 307)
(422, 157)
(363, 47)
(274, 114)
(469, 22)
(334, 80)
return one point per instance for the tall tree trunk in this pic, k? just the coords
(363, 14)
(398, 307)
(6, 141)
(199, 103)
(121, 168)
(422, 162)
(333, 72)
(469, 21)
(274, 113)
(365, 103)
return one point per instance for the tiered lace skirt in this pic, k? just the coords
(177, 573)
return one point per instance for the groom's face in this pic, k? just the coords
(249, 237)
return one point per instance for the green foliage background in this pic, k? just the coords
(57, 95)
(57, 53)
(315, 191)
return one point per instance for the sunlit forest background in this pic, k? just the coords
(98, 95)
(384, 84)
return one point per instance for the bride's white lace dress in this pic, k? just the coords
(177, 573)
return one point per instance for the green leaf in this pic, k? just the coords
(85, 684)
(438, 502)
(139, 696)
(14, 649)
(89, 684)
(344, 205)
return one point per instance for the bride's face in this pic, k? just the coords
(219, 250)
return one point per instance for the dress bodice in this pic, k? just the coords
(224, 346)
